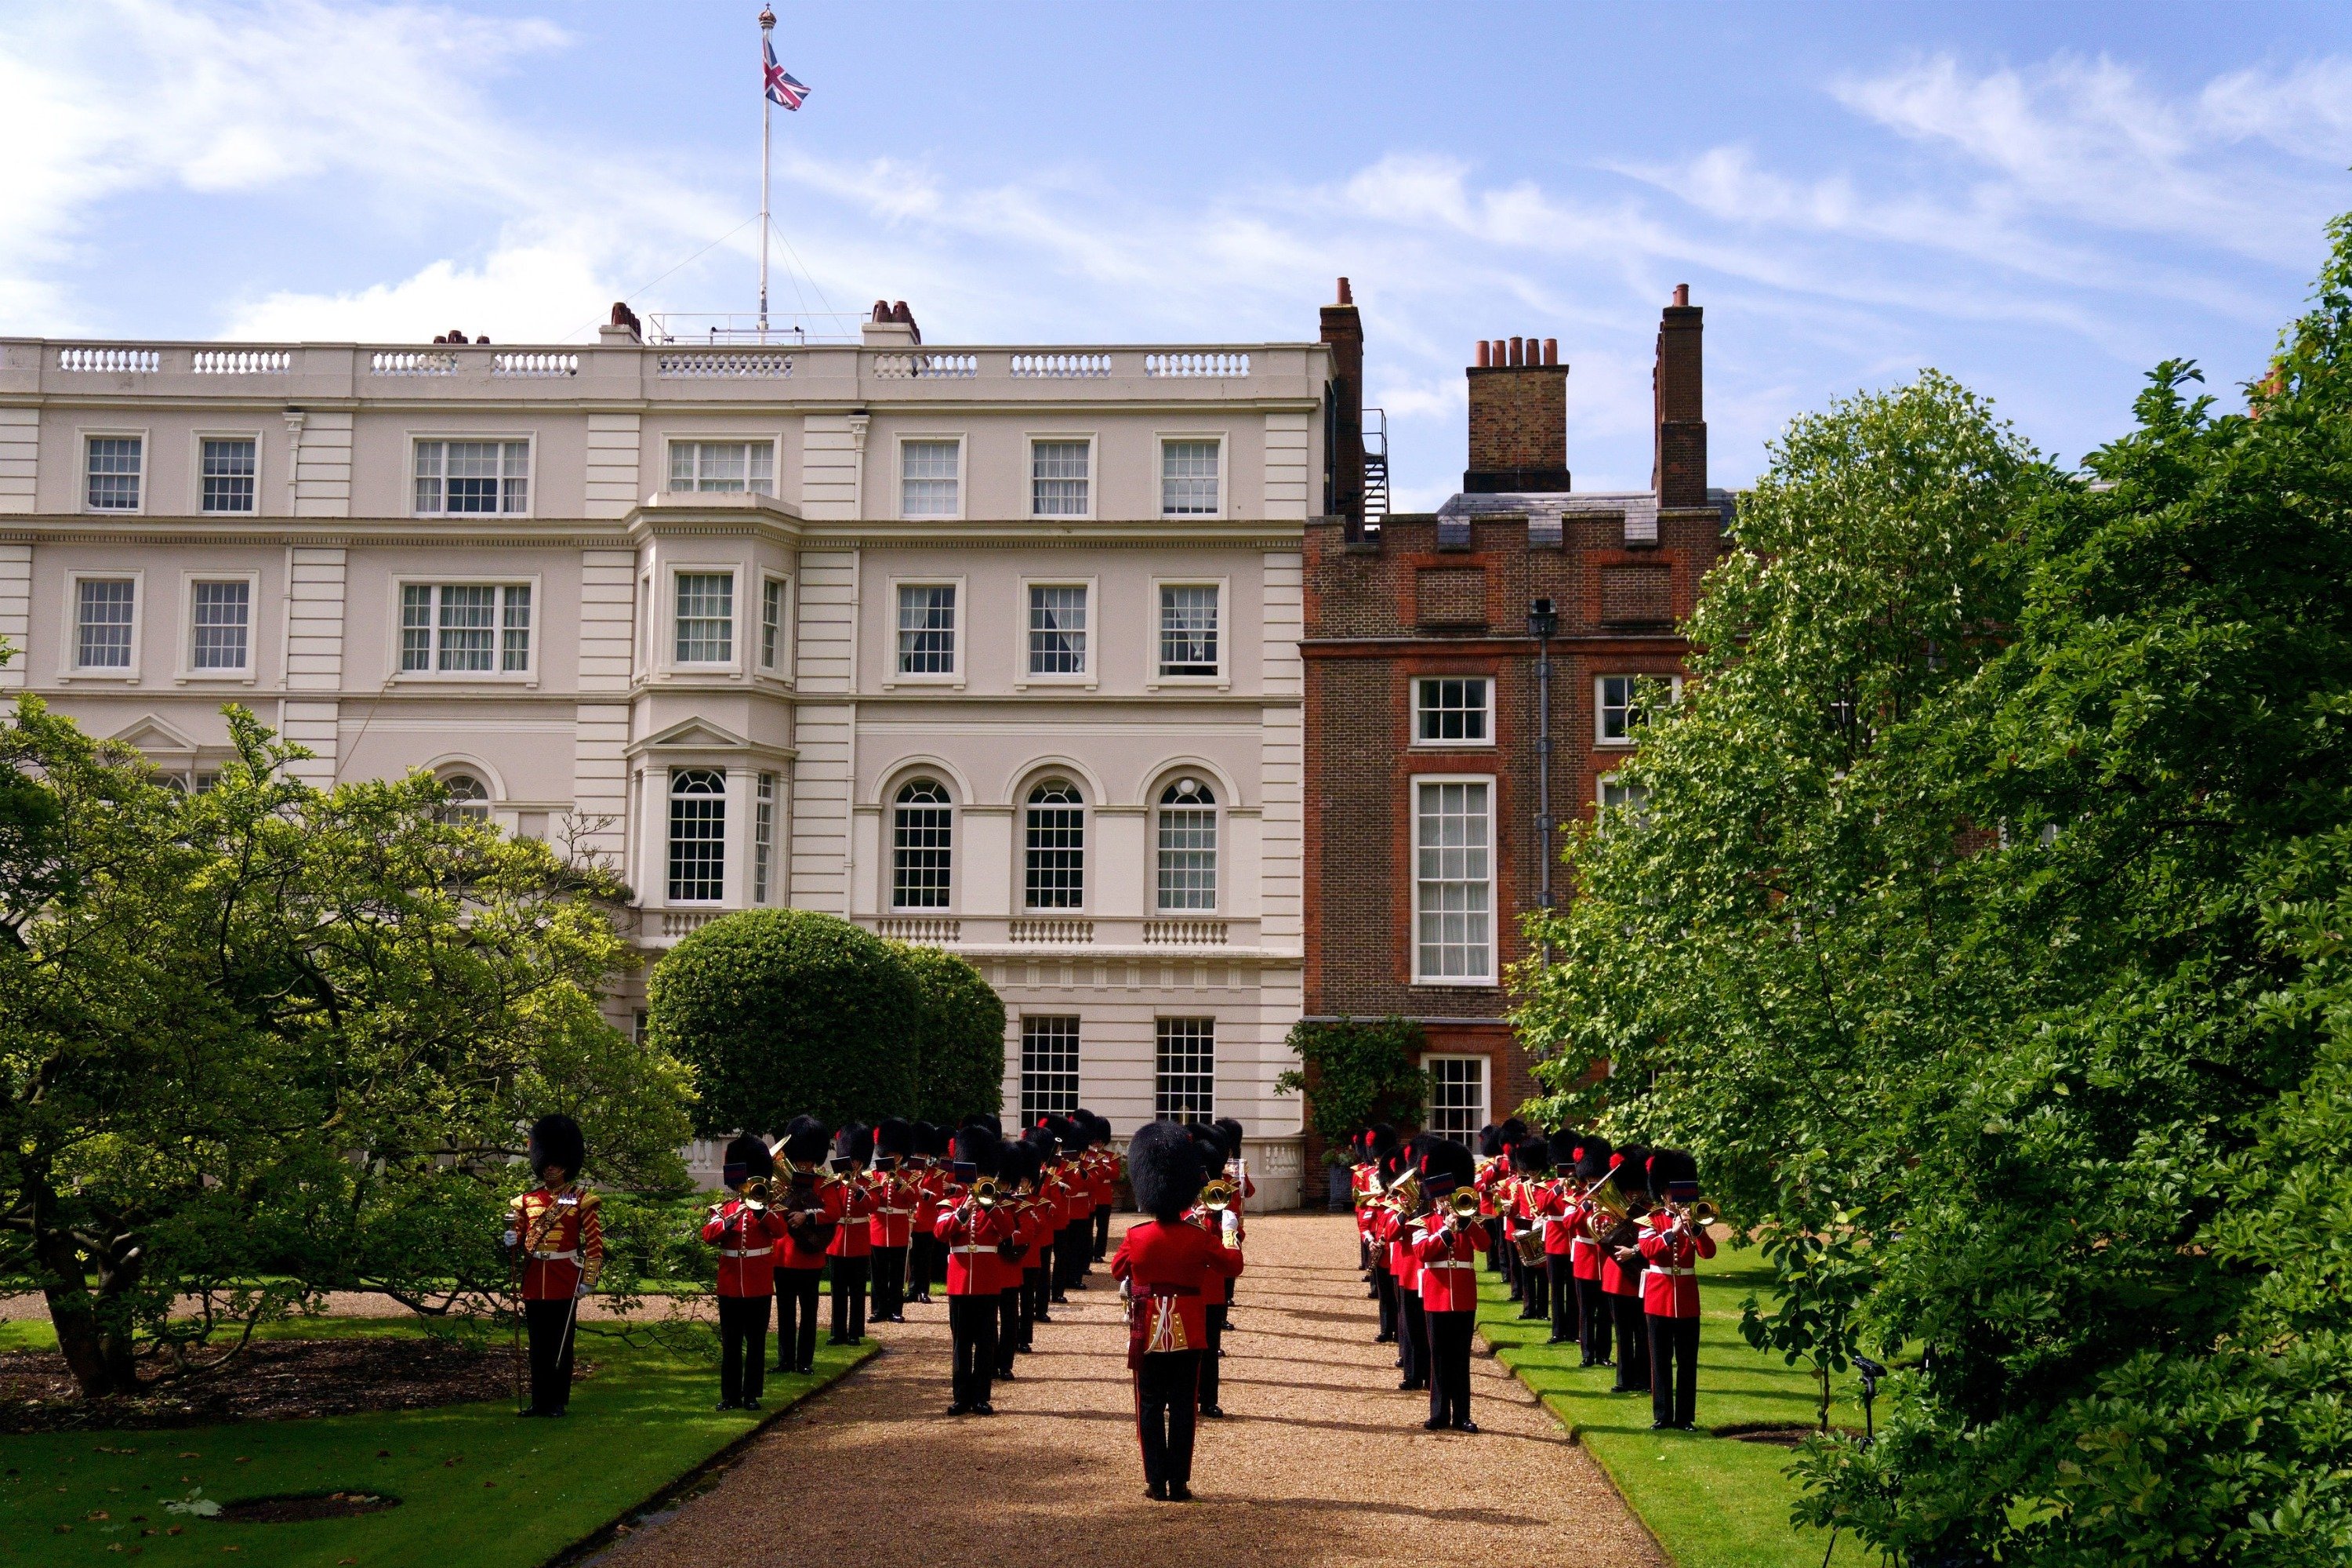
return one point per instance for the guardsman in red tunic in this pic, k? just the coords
(1372, 1222)
(891, 1231)
(1530, 1173)
(556, 1235)
(745, 1230)
(926, 1263)
(1491, 1168)
(1103, 1178)
(1621, 1267)
(1674, 1244)
(1593, 1154)
(852, 1247)
(1073, 1249)
(1404, 1265)
(970, 1226)
(1166, 1268)
(1021, 1275)
(1556, 1211)
(812, 1204)
(1448, 1247)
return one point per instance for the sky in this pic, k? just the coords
(2043, 200)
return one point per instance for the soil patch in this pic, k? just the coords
(293, 1508)
(274, 1379)
(1777, 1435)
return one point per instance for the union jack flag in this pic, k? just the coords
(782, 89)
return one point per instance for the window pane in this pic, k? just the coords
(705, 617)
(763, 838)
(1054, 868)
(1057, 630)
(1188, 478)
(114, 473)
(219, 613)
(1455, 710)
(1057, 478)
(771, 619)
(1049, 1067)
(466, 627)
(922, 843)
(514, 645)
(1188, 846)
(697, 835)
(226, 468)
(416, 626)
(926, 478)
(1457, 1096)
(1632, 799)
(468, 799)
(1186, 1079)
(927, 629)
(514, 493)
(470, 476)
(428, 477)
(1188, 631)
(102, 616)
(1617, 715)
(1455, 934)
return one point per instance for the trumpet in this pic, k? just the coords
(1698, 1213)
(1462, 1203)
(1217, 1196)
(758, 1195)
(986, 1193)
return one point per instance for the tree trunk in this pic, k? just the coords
(98, 1353)
(1825, 1367)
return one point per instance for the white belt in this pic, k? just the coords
(554, 1256)
(1470, 1265)
(973, 1251)
(1673, 1273)
(894, 1210)
(751, 1252)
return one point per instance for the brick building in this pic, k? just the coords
(1426, 774)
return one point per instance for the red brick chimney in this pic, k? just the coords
(1518, 416)
(1343, 414)
(1678, 469)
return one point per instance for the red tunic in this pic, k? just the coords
(1449, 1264)
(1102, 1177)
(896, 1198)
(746, 1238)
(1618, 1278)
(1170, 1270)
(971, 1237)
(1670, 1284)
(1396, 1233)
(1559, 1214)
(792, 1254)
(929, 1185)
(853, 1237)
(562, 1235)
(1032, 1228)
(1081, 1191)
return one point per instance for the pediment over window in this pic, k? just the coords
(157, 739)
(690, 734)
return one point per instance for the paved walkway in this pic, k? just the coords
(1320, 1460)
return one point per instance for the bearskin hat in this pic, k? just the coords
(931, 1140)
(1392, 1162)
(1233, 1133)
(1102, 1133)
(978, 1147)
(1515, 1132)
(1632, 1170)
(1214, 1150)
(1018, 1162)
(1490, 1140)
(1384, 1138)
(1063, 1131)
(804, 1141)
(556, 1140)
(1444, 1157)
(1163, 1162)
(1592, 1153)
(1674, 1174)
(747, 1159)
(893, 1138)
(1532, 1157)
(854, 1144)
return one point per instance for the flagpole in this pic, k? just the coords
(767, 25)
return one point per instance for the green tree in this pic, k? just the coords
(960, 1049)
(1355, 1072)
(786, 1012)
(265, 1041)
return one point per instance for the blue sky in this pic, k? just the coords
(2043, 200)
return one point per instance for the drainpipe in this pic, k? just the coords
(1543, 623)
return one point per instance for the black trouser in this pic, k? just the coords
(889, 1282)
(1592, 1326)
(742, 1347)
(1036, 1285)
(923, 1257)
(1055, 1265)
(1495, 1262)
(972, 1322)
(797, 1318)
(1012, 1330)
(1102, 1231)
(1449, 1371)
(1412, 1337)
(1070, 1252)
(1164, 1392)
(550, 1324)
(1633, 1344)
(1673, 1369)
(1209, 1355)
(849, 1299)
(1537, 1293)
(1559, 1275)
(1384, 1285)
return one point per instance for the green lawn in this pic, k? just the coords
(477, 1486)
(1713, 1502)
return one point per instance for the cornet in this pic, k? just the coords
(1463, 1204)
(1217, 1196)
(986, 1193)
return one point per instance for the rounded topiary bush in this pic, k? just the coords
(785, 1011)
(959, 1054)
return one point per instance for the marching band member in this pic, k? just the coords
(1447, 1245)
(1105, 1180)
(1165, 1269)
(852, 1247)
(1592, 1163)
(557, 1235)
(1491, 1166)
(1021, 1274)
(812, 1208)
(926, 1263)
(1237, 1171)
(897, 1195)
(745, 1230)
(1404, 1265)
(1674, 1244)
(1530, 1175)
(1554, 1208)
(970, 1227)
(1216, 1314)
(1620, 1269)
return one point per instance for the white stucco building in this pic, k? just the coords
(994, 649)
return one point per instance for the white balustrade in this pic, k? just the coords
(1060, 366)
(723, 366)
(241, 361)
(1224, 366)
(411, 362)
(925, 367)
(1053, 933)
(534, 366)
(118, 360)
(1185, 933)
(679, 923)
(931, 930)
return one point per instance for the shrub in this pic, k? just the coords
(1355, 1072)
(959, 1051)
(781, 1011)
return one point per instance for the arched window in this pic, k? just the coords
(468, 799)
(697, 835)
(922, 846)
(1055, 872)
(1188, 846)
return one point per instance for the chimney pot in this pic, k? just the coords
(1681, 294)
(1516, 351)
(1486, 353)
(1347, 295)
(1551, 351)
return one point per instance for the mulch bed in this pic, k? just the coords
(1777, 1434)
(273, 1380)
(295, 1508)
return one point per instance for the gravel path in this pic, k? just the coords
(1320, 1460)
